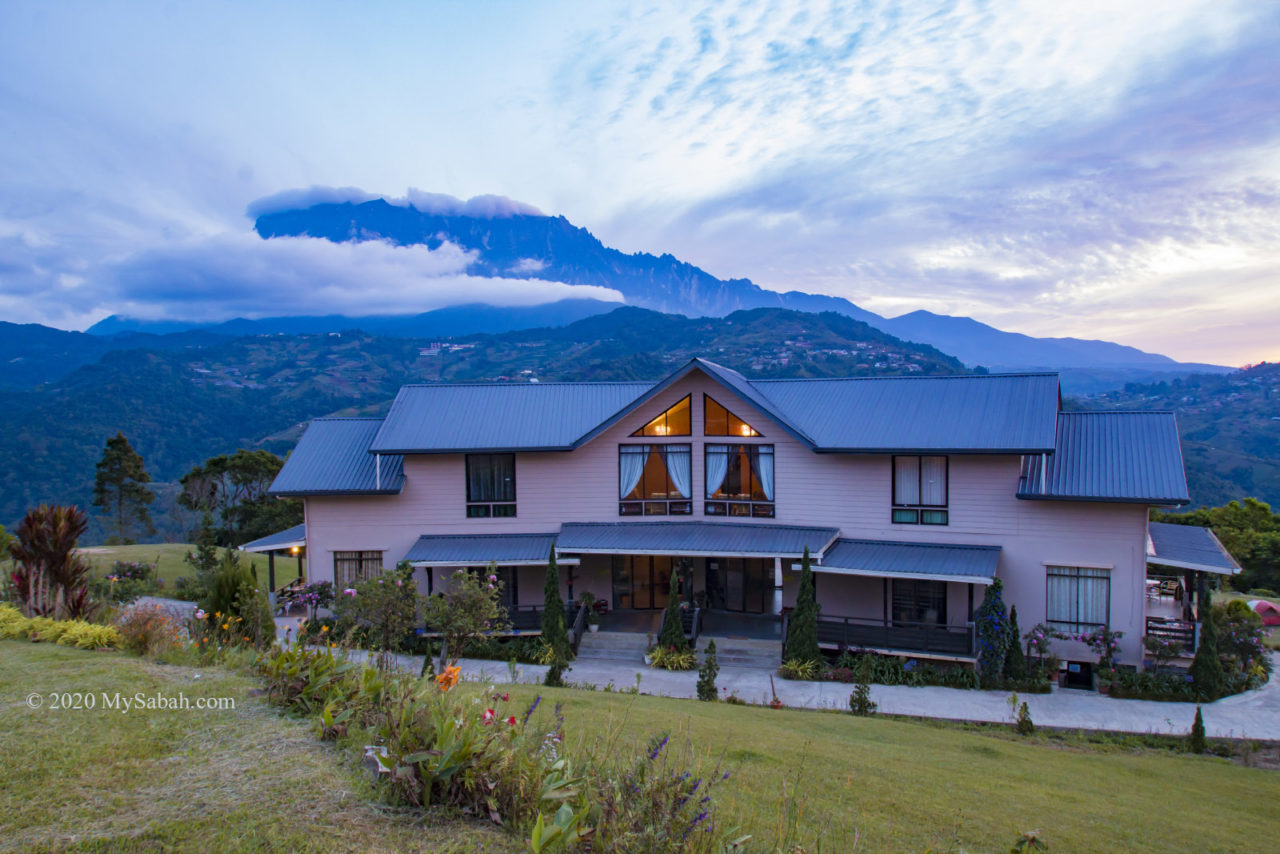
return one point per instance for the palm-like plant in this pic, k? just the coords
(50, 579)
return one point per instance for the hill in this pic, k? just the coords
(180, 406)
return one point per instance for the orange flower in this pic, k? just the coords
(449, 678)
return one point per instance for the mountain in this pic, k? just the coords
(179, 406)
(1230, 428)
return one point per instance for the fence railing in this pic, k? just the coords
(579, 624)
(691, 622)
(1179, 631)
(873, 633)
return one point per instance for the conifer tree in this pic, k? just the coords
(1196, 741)
(554, 632)
(672, 632)
(802, 630)
(1015, 660)
(1206, 667)
(118, 488)
(707, 673)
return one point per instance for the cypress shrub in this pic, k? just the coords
(672, 633)
(1025, 726)
(707, 673)
(802, 631)
(860, 700)
(1206, 667)
(1015, 661)
(554, 632)
(993, 633)
(1196, 741)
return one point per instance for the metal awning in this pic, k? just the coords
(693, 539)
(923, 561)
(483, 549)
(295, 537)
(1188, 547)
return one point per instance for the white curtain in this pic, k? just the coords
(1095, 591)
(762, 465)
(631, 460)
(906, 480)
(679, 464)
(1061, 598)
(717, 467)
(933, 481)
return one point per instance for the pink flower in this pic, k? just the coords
(399, 583)
(199, 614)
(493, 578)
(350, 591)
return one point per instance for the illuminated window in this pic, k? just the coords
(674, 422)
(718, 421)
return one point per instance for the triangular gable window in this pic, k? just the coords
(675, 421)
(718, 421)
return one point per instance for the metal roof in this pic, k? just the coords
(481, 549)
(499, 416)
(332, 458)
(930, 561)
(994, 413)
(286, 539)
(1132, 457)
(1188, 547)
(712, 539)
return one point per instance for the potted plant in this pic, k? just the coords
(593, 621)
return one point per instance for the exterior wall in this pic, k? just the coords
(849, 492)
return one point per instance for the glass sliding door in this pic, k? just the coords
(744, 585)
(641, 582)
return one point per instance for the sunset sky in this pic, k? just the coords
(1101, 170)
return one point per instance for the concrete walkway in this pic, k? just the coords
(1255, 714)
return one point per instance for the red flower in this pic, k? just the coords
(503, 697)
(512, 720)
(488, 716)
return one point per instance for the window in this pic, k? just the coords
(739, 480)
(920, 490)
(1079, 598)
(920, 602)
(655, 480)
(718, 421)
(350, 568)
(508, 581)
(491, 485)
(674, 422)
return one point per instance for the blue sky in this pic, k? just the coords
(1105, 170)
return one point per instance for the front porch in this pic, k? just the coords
(1180, 559)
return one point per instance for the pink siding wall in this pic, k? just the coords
(850, 492)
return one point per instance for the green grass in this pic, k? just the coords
(254, 778)
(171, 566)
(242, 779)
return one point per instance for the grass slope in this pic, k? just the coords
(171, 566)
(245, 779)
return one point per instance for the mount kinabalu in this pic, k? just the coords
(534, 246)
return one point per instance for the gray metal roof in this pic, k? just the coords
(1132, 457)
(481, 549)
(1010, 413)
(1188, 547)
(288, 538)
(935, 561)
(332, 458)
(499, 416)
(715, 539)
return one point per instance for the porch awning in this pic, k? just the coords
(693, 539)
(924, 561)
(482, 549)
(279, 541)
(1188, 547)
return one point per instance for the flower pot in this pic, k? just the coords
(592, 627)
(648, 659)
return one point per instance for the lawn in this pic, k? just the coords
(255, 777)
(171, 566)
(248, 778)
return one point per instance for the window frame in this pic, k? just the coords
(1074, 573)
(902, 513)
(361, 557)
(728, 508)
(640, 434)
(656, 506)
(490, 509)
(915, 585)
(729, 414)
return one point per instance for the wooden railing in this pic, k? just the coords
(1179, 631)
(578, 623)
(872, 633)
(691, 622)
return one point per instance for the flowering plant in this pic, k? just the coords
(1104, 643)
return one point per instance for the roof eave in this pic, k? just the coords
(952, 451)
(1152, 502)
(1156, 560)
(305, 493)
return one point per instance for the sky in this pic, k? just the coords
(1100, 170)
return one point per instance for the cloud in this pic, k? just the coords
(242, 275)
(481, 207)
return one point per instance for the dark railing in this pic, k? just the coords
(579, 624)
(691, 622)
(868, 632)
(525, 618)
(1179, 631)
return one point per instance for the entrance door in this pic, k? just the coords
(641, 582)
(744, 585)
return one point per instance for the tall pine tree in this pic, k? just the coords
(802, 630)
(672, 632)
(118, 489)
(1015, 661)
(554, 632)
(1206, 667)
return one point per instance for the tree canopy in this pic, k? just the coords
(233, 488)
(1249, 530)
(119, 489)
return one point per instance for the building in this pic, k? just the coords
(911, 494)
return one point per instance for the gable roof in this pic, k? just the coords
(332, 458)
(1132, 457)
(1188, 547)
(280, 540)
(994, 413)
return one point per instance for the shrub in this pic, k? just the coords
(1196, 741)
(554, 677)
(993, 633)
(554, 631)
(469, 609)
(84, 635)
(316, 595)
(794, 668)
(1024, 726)
(50, 578)
(77, 633)
(1240, 635)
(672, 633)
(1162, 649)
(148, 629)
(1206, 667)
(673, 658)
(707, 674)
(860, 703)
(802, 629)
(1015, 662)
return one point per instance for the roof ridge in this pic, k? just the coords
(1116, 412)
(349, 418)
(908, 377)
(481, 384)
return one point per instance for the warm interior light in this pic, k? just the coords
(294, 549)
(660, 429)
(745, 430)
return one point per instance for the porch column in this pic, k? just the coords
(271, 572)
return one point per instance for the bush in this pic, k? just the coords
(1196, 741)
(673, 658)
(795, 668)
(1206, 667)
(84, 635)
(993, 633)
(671, 635)
(860, 703)
(77, 633)
(1025, 726)
(802, 629)
(1015, 662)
(148, 630)
(707, 674)
(892, 670)
(462, 615)
(50, 578)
